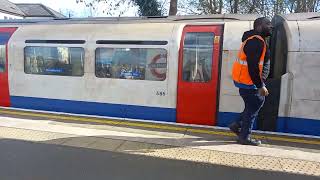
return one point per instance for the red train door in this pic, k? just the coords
(198, 74)
(5, 34)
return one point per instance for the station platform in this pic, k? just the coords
(287, 153)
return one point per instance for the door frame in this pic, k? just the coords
(216, 76)
(4, 76)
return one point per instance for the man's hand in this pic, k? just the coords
(263, 91)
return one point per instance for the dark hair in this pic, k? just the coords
(258, 22)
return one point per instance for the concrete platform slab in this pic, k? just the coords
(80, 142)
(106, 144)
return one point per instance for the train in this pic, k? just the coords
(174, 69)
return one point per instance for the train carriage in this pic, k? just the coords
(170, 69)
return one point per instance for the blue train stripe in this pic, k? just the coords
(284, 124)
(298, 125)
(225, 118)
(94, 108)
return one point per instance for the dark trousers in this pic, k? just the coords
(253, 103)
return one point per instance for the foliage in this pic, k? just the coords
(146, 7)
(265, 7)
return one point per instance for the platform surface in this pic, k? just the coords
(291, 157)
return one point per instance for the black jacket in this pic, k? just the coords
(253, 50)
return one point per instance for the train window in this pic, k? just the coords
(63, 61)
(131, 63)
(2, 58)
(197, 56)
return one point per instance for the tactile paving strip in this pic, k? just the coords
(31, 135)
(163, 151)
(261, 162)
(189, 154)
(227, 159)
(301, 167)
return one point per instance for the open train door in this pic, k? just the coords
(198, 74)
(5, 34)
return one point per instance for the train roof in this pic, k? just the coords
(301, 16)
(144, 19)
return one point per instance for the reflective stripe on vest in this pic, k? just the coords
(242, 62)
(240, 71)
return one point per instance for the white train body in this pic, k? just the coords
(157, 100)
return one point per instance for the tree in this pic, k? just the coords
(235, 6)
(146, 7)
(265, 7)
(173, 7)
(202, 6)
(303, 5)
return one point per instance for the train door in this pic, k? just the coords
(198, 74)
(5, 34)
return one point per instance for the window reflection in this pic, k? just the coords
(197, 56)
(131, 63)
(62, 61)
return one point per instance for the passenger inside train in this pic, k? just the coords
(195, 69)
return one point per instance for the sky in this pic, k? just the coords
(79, 10)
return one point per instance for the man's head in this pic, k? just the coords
(263, 25)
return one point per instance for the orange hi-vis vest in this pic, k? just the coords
(240, 71)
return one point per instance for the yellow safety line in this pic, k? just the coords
(154, 126)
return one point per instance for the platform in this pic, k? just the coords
(209, 145)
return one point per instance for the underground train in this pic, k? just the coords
(170, 69)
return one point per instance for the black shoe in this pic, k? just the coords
(249, 141)
(235, 128)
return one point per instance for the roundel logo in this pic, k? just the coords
(158, 66)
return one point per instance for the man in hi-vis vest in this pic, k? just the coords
(249, 72)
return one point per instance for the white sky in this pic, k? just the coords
(79, 10)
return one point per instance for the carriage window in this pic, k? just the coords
(62, 61)
(2, 58)
(197, 56)
(131, 63)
